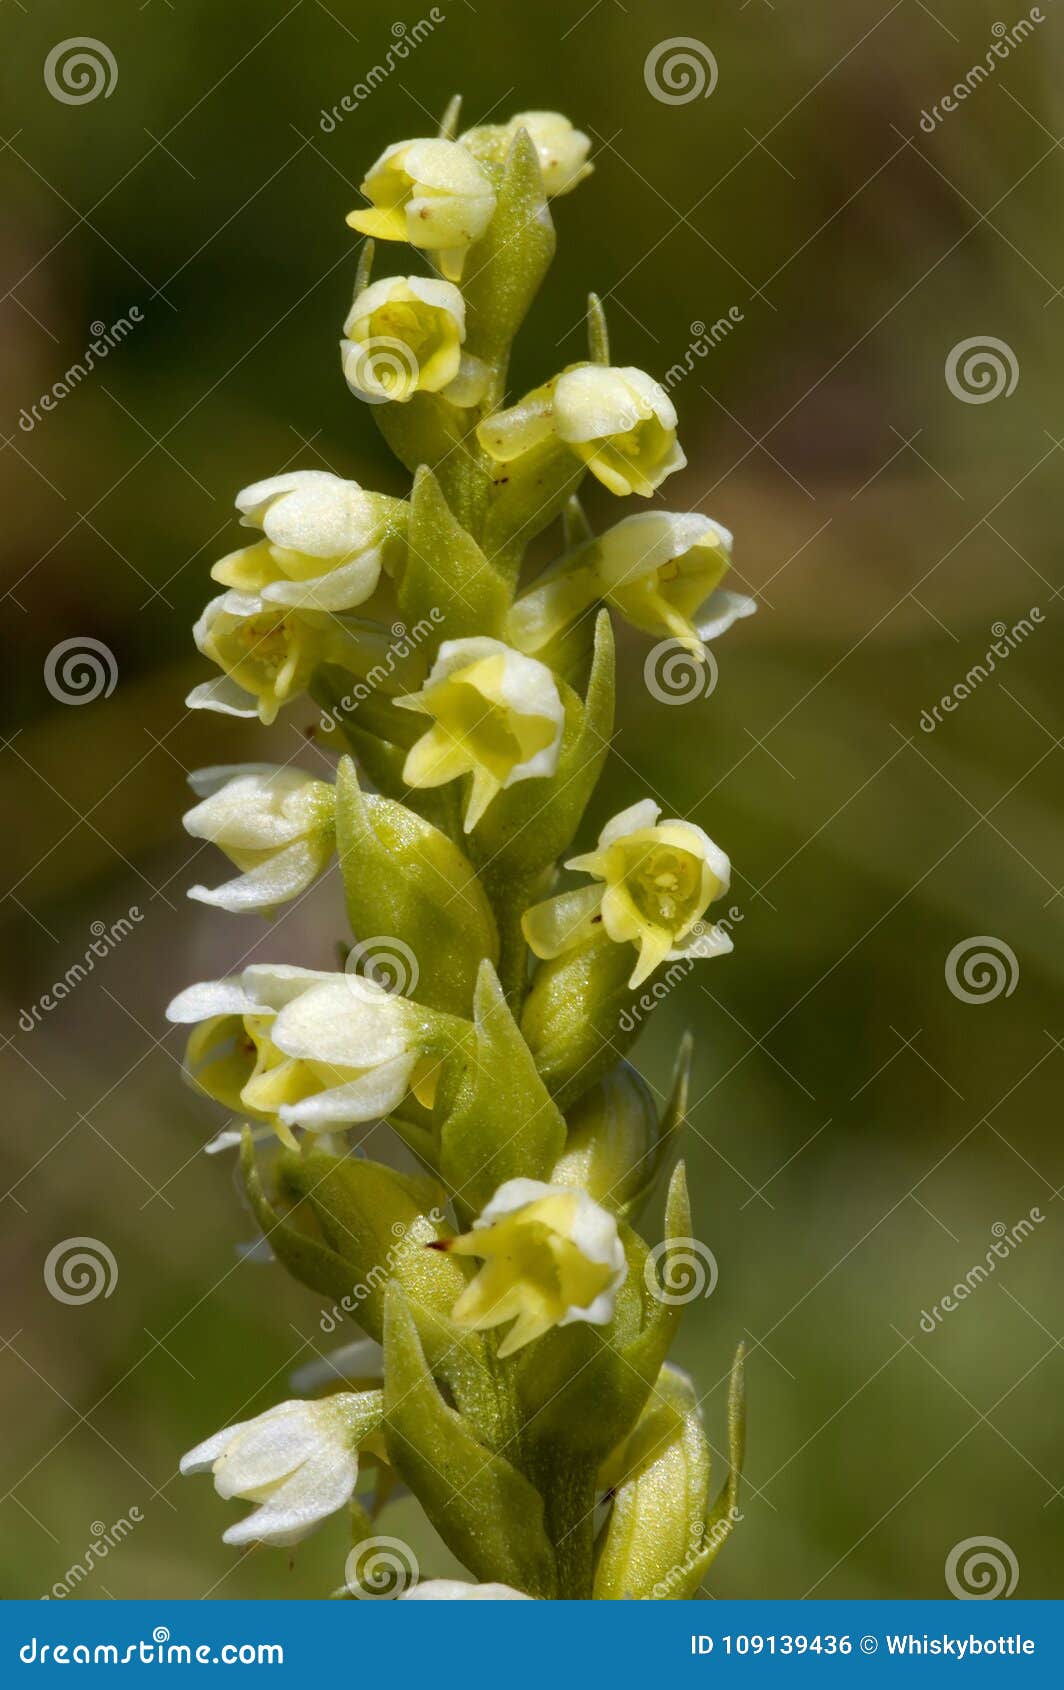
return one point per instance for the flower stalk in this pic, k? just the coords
(510, 1327)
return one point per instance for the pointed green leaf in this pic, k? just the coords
(504, 270)
(498, 1122)
(725, 1513)
(484, 1509)
(447, 577)
(408, 882)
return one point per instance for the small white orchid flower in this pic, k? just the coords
(269, 652)
(619, 422)
(561, 147)
(656, 880)
(551, 1255)
(431, 193)
(275, 824)
(622, 423)
(661, 570)
(298, 1047)
(298, 1462)
(325, 541)
(404, 335)
(458, 1590)
(496, 715)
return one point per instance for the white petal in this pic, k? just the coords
(369, 1098)
(202, 1458)
(720, 610)
(633, 820)
(213, 997)
(346, 1022)
(223, 695)
(457, 1590)
(343, 588)
(324, 1483)
(287, 874)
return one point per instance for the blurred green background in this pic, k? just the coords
(859, 1129)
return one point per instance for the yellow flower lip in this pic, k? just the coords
(656, 880)
(497, 715)
(552, 1256)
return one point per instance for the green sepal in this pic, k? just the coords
(504, 269)
(484, 1509)
(309, 1260)
(406, 880)
(447, 577)
(575, 1017)
(532, 823)
(497, 1121)
(667, 1137)
(725, 1514)
(649, 1546)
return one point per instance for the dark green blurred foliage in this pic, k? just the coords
(856, 1129)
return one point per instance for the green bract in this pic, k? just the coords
(508, 1328)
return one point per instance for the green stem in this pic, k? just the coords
(567, 1486)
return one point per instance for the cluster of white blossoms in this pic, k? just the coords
(496, 1050)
